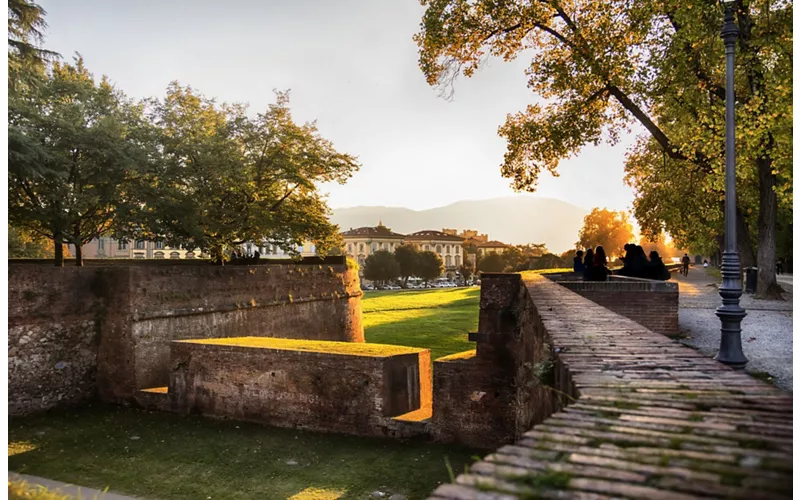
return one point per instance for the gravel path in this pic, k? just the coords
(766, 331)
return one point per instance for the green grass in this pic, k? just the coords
(437, 319)
(178, 457)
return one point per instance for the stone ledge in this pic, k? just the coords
(653, 419)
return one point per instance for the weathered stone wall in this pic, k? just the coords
(311, 385)
(494, 394)
(652, 304)
(111, 325)
(52, 339)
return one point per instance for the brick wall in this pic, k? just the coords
(78, 332)
(652, 304)
(492, 395)
(352, 393)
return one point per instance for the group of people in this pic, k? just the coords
(635, 264)
(593, 265)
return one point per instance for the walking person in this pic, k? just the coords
(685, 264)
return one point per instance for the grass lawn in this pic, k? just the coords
(161, 455)
(437, 319)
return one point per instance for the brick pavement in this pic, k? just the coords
(653, 419)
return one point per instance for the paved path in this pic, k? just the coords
(70, 490)
(654, 420)
(766, 331)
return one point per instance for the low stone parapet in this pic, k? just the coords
(652, 304)
(352, 388)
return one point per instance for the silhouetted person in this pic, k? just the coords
(634, 263)
(656, 270)
(577, 262)
(685, 264)
(779, 267)
(588, 264)
(599, 271)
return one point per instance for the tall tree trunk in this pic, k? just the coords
(78, 255)
(58, 241)
(744, 243)
(767, 287)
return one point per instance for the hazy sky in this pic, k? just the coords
(349, 64)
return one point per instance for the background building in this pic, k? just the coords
(110, 248)
(361, 242)
(446, 246)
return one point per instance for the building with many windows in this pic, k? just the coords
(110, 248)
(446, 246)
(361, 242)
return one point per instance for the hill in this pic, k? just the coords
(513, 219)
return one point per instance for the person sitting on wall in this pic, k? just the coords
(577, 262)
(656, 270)
(635, 262)
(599, 270)
(588, 264)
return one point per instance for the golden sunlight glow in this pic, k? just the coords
(311, 493)
(19, 447)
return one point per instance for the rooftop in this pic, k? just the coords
(430, 234)
(379, 231)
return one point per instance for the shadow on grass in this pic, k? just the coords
(161, 455)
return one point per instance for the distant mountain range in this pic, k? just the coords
(514, 219)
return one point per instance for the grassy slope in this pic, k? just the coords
(438, 319)
(179, 457)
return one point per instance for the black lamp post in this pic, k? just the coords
(730, 312)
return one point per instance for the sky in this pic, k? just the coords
(352, 66)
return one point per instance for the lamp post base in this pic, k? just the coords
(730, 346)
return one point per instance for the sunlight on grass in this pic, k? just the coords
(17, 447)
(377, 318)
(322, 346)
(438, 319)
(530, 274)
(312, 493)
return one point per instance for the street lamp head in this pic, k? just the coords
(730, 32)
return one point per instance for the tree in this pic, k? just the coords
(407, 256)
(609, 229)
(224, 178)
(83, 152)
(550, 261)
(659, 245)
(381, 266)
(23, 245)
(466, 272)
(429, 266)
(604, 65)
(492, 263)
(26, 58)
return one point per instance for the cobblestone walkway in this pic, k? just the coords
(654, 420)
(766, 331)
